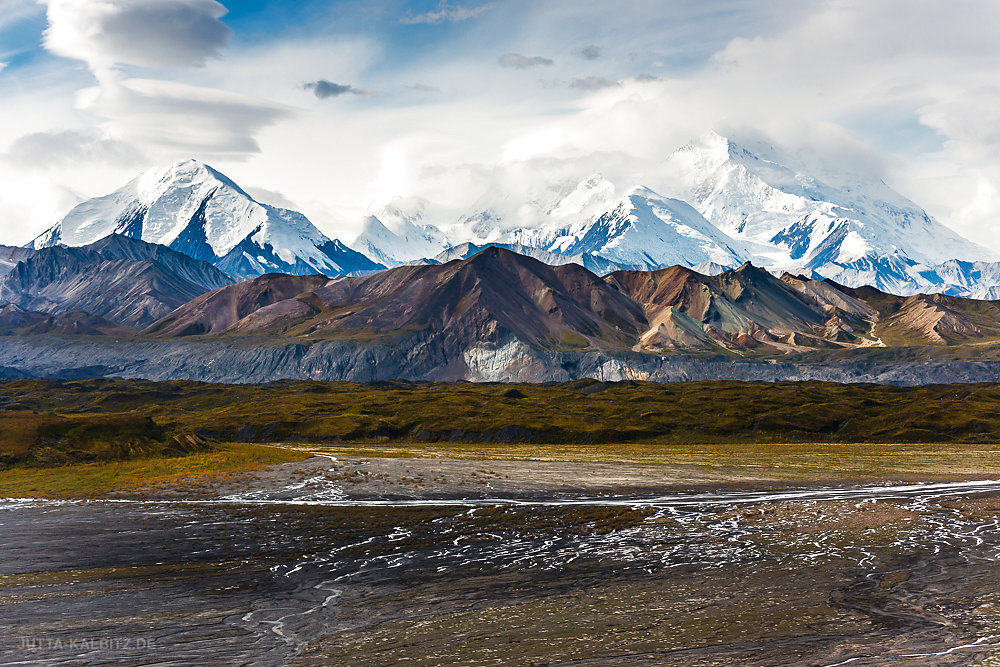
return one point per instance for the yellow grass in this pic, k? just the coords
(97, 479)
(791, 462)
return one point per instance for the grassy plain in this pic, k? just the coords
(583, 412)
(86, 438)
(87, 480)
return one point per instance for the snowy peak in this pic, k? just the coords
(789, 218)
(394, 236)
(644, 229)
(594, 191)
(379, 242)
(730, 202)
(194, 209)
(185, 175)
(704, 155)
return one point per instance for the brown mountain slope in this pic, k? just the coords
(935, 319)
(222, 309)
(498, 296)
(491, 297)
(744, 308)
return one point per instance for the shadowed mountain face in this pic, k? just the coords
(128, 282)
(11, 255)
(17, 321)
(494, 297)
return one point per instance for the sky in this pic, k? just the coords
(338, 108)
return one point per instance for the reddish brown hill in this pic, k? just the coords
(497, 296)
(743, 308)
(486, 298)
(222, 309)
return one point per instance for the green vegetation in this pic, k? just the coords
(118, 419)
(29, 438)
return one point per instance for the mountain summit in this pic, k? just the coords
(645, 230)
(194, 209)
(861, 232)
(726, 203)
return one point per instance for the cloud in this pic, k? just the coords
(268, 196)
(30, 202)
(162, 115)
(447, 14)
(911, 81)
(324, 89)
(2, 66)
(590, 52)
(517, 61)
(71, 147)
(593, 83)
(147, 33)
(183, 118)
(423, 88)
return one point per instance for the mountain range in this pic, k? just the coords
(498, 297)
(117, 279)
(122, 307)
(729, 205)
(752, 270)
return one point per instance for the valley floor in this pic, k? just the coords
(526, 554)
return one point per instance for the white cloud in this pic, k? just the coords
(447, 13)
(30, 202)
(895, 89)
(147, 33)
(182, 118)
(40, 150)
(517, 61)
(166, 117)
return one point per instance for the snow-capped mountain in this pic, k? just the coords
(746, 207)
(192, 208)
(725, 205)
(862, 233)
(641, 230)
(590, 225)
(393, 236)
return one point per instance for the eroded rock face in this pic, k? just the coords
(502, 363)
(432, 359)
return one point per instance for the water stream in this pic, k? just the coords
(259, 577)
